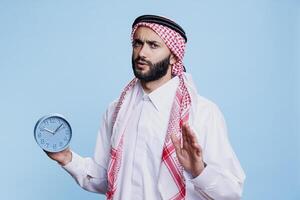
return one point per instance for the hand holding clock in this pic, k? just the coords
(53, 134)
(63, 157)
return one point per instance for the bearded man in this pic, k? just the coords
(160, 139)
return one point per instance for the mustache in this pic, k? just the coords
(142, 60)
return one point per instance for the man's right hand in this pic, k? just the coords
(62, 157)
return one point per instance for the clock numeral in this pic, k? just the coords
(53, 120)
(42, 141)
(47, 145)
(54, 146)
(65, 138)
(60, 144)
(39, 135)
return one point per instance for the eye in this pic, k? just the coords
(153, 45)
(137, 43)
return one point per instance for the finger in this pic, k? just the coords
(185, 142)
(186, 138)
(193, 144)
(191, 136)
(176, 142)
(183, 130)
(47, 152)
(197, 149)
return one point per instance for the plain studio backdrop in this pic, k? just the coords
(74, 57)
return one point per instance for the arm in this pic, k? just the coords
(89, 173)
(86, 172)
(222, 177)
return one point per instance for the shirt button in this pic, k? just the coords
(146, 98)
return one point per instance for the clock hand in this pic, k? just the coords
(48, 130)
(57, 128)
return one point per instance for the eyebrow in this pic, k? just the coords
(147, 41)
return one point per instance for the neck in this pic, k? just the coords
(153, 85)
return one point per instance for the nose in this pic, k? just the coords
(143, 51)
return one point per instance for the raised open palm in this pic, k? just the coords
(189, 153)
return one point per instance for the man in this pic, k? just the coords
(160, 140)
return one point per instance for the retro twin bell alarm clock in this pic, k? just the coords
(53, 133)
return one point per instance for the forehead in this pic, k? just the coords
(145, 33)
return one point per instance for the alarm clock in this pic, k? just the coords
(53, 133)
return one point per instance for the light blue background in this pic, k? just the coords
(73, 57)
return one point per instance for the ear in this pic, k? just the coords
(172, 59)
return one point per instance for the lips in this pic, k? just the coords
(141, 65)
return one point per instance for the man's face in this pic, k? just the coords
(151, 58)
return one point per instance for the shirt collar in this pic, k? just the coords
(163, 97)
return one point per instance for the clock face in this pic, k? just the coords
(53, 133)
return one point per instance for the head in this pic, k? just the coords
(158, 48)
(151, 58)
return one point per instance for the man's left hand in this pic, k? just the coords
(189, 153)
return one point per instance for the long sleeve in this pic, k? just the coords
(87, 173)
(223, 176)
(91, 173)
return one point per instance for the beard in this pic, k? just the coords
(155, 72)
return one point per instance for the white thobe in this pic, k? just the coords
(144, 137)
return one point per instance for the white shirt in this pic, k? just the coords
(144, 137)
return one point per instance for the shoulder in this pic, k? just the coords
(205, 105)
(112, 106)
(107, 116)
(207, 113)
(208, 121)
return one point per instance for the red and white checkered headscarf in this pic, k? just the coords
(171, 171)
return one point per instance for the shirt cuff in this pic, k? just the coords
(207, 179)
(76, 166)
